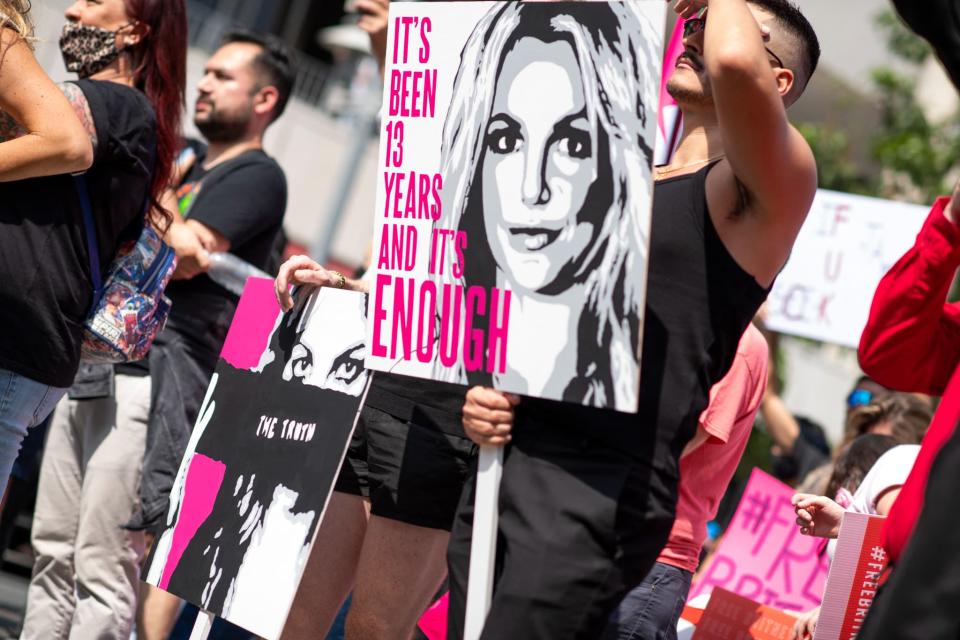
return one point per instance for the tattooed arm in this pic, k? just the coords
(78, 102)
(9, 128)
(40, 131)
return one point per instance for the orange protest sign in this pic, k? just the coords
(732, 617)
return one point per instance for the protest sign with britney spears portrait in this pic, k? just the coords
(514, 197)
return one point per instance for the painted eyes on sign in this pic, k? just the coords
(504, 137)
(348, 366)
(301, 362)
(575, 143)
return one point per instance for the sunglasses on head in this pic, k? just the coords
(858, 398)
(693, 26)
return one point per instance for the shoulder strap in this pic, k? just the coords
(80, 182)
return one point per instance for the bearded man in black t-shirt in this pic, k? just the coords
(231, 197)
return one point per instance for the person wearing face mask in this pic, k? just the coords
(130, 56)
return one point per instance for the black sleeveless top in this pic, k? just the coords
(699, 303)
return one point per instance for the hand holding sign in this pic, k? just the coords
(806, 625)
(488, 416)
(303, 270)
(817, 515)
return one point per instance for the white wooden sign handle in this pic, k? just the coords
(483, 547)
(202, 625)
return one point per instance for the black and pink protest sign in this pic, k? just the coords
(514, 195)
(264, 455)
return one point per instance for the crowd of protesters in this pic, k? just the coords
(624, 499)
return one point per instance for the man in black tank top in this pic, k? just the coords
(587, 497)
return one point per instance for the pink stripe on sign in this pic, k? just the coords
(433, 622)
(204, 478)
(252, 324)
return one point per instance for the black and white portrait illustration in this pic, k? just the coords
(263, 458)
(546, 161)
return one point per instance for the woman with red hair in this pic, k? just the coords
(130, 56)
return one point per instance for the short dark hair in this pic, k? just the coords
(274, 63)
(794, 22)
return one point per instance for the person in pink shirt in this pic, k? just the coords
(652, 609)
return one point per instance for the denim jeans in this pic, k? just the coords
(651, 611)
(24, 403)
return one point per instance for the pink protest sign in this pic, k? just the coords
(762, 555)
(252, 325)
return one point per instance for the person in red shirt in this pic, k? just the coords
(912, 343)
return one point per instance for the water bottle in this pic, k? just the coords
(231, 273)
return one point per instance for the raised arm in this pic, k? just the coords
(373, 20)
(782, 427)
(912, 338)
(40, 134)
(744, 53)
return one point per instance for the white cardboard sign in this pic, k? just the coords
(843, 251)
(514, 196)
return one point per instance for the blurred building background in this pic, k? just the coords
(327, 146)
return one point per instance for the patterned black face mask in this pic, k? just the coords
(86, 49)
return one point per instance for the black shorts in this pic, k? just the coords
(409, 469)
(581, 522)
